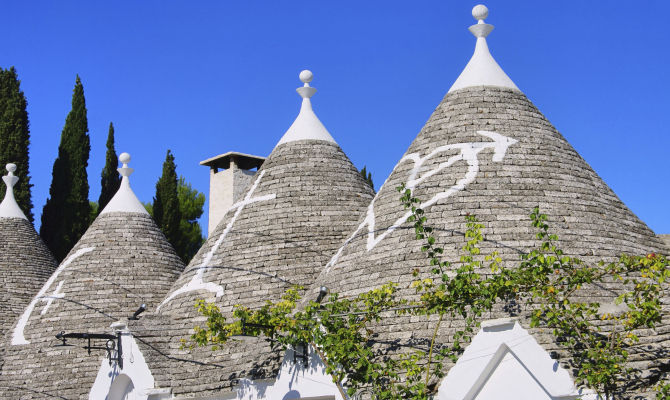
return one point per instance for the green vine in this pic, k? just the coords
(343, 330)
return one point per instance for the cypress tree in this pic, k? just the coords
(66, 214)
(367, 176)
(15, 137)
(110, 182)
(166, 202)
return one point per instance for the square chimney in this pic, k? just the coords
(229, 176)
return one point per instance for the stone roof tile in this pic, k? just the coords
(123, 260)
(485, 151)
(303, 201)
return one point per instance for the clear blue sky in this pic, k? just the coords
(207, 77)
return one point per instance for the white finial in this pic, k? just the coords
(479, 13)
(306, 91)
(9, 208)
(482, 70)
(125, 159)
(307, 126)
(481, 29)
(124, 200)
(306, 76)
(124, 170)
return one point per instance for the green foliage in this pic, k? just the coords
(149, 207)
(94, 211)
(15, 137)
(66, 214)
(176, 208)
(663, 391)
(550, 280)
(191, 204)
(166, 202)
(342, 330)
(367, 176)
(110, 178)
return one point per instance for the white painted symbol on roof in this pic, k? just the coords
(57, 294)
(18, 335)
(197, 282)
(468, 153)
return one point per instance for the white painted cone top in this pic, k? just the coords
(482, 69)
(9, 208)
(307, 125)
(125, 200)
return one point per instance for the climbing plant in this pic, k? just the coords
(342, 330)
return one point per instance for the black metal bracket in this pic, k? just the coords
(112, 343)
(140, 310)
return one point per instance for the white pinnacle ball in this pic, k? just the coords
(124, 158)
(11, 167)
(480, 12)
(306, 76)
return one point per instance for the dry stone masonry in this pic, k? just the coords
(25, 261)
(122, 261)
(307, 217)
(296, 212)
(486, 150)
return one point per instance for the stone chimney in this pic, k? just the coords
(229, 175)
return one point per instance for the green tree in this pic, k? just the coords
(110, 180)
(166, 202)
(94, 211)
(15, 137)
(367, 176)
(191, 204)
(189, 238)
(149, 207)
(66, 214)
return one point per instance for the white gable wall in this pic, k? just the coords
(297, 382)
(135, 382)
(293, 382)
(504, 358)
(114, 383)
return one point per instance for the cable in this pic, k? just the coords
(206, 267)
(55, 396)
(81, 304)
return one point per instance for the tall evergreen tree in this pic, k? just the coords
(166, 202)
(367, 176)
(66, 214)
(110, 182)
(191, 204)
(15, 137)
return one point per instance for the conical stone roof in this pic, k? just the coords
(486, 150)
(25, 264)
(25, 261)
(121, 262)
(298, 209)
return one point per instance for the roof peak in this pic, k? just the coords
(482, 69)
(307, 125)
(9, 208)
(125, 200)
